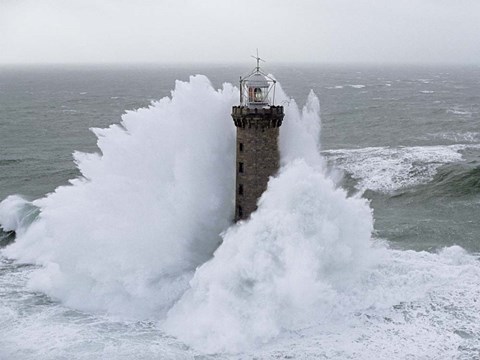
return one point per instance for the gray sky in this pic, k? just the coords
(173, 31)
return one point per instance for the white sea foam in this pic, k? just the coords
(16, 213)
(410, 304)
(469, 136)
(284, 269)
(387, 169)
(359, 86)
(335, 87)
(354, 86)
(414, 305)
(457, 111)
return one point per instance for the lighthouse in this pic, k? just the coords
(257, 120)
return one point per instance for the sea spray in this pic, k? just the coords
(284, 269)
(16, 213)
(300, 132)
(126, 236)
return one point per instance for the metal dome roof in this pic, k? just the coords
(257, 80)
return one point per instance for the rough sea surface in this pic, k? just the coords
(365, 245)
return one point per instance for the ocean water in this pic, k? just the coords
(366, 245)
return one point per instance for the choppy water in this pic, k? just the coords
(113, 258)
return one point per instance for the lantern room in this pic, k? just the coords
(257, 89)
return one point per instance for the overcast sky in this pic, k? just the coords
(216, 31)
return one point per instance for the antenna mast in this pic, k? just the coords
(258, 61)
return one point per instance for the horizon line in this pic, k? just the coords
(236, 63)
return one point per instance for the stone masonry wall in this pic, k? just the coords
(258, 156)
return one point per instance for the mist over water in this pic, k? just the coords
(146, 234)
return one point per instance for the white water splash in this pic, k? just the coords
(16, 213)
(126, 236)
(282, 270)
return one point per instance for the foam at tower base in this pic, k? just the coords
(283, 269)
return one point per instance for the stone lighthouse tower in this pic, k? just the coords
(257, 120)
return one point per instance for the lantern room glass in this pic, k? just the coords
(256, 94)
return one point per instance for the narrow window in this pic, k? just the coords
(240, 189)
(240, 167)
(240, 146)
(240, 211)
